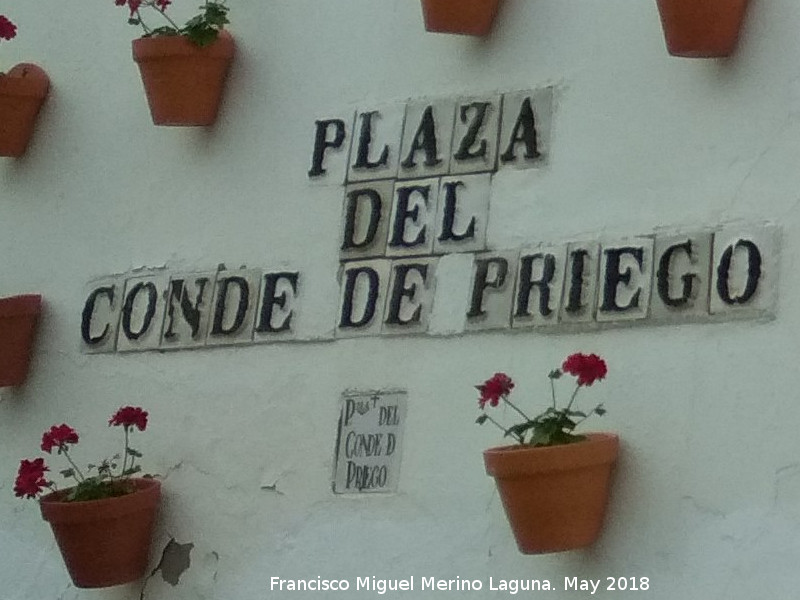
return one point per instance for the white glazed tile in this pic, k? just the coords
(409, 299)
(100, 314)
(427, 139)
(681, 276)
(618, 299)
(362, 297)
(462, 213)
(748, 286)
(365, 219)
(412, 225)
(375, 147)
(492, 290)
(520, 111)
(581, 275)
(233, 308)
(475, 134)
(279, 302)
(188, 310)
(540, 281)
(142, 312)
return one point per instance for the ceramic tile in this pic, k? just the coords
(100, 314)
(375, 148)
(462, 213)
(188, 310)
(745, 271)
(540, 281)
(626, 268)
(142, 312)
(280, 300)
(329, 142)
(365, 219)
(409, 300)
(362, 297)
(579, 301)
(233, 308)
(492, 290)
(412, 225)
(681, 276)
(475, 135)
(427, 138)
(525, 128)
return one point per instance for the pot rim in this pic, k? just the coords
(146, 496)
(23, 305)
(153, 48)
(26, 80)
(600, 448)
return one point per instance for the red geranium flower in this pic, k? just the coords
(128, 416)
(58, 437)
(492, 389)
(30, 478)
(588, 368)
(7, 29)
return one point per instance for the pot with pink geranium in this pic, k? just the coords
(554, 483)
(183, 68)
(104, 523)
(22, 92)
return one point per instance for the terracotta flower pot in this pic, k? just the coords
(19, 316)
(22, 93)
(183, 82)
(467, 17)
(105, 542)
(701, 28)
(555, 498)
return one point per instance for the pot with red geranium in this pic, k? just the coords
(103, 524)
(183, 68)
(554, 483)
(22, 93)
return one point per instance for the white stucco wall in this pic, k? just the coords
(705, 502)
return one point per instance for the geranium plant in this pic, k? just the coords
(107, 479)
(8, 31)
(554, 425)
(202, 29)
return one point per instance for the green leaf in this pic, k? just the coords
(600, 410)
(519, 429)
(481, 419)
(68, 472)
(132, 470)
(134, 21)
(135, 453)
(577, 413)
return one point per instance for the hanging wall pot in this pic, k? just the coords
(19, 317)
(183, 82)
(466, 17)
(701, 28)
(22, 93)
(555, 497)
(105, 542)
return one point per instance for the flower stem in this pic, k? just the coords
(125, 454)
(520, 438)
(512, 405)
(80, 478)
(572, 399)
(553, 392)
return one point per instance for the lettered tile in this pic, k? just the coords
(626, 269)
(329, 146)
(525, 128)
(409, 300)
(233, 308)
(427, 138)
(100, 314)
(362, 297)
(475, 134)
(492, 290)
(462, 213)
(681, 278)
(188, 311)
(745, 271)
(540, 281)
(365, 219)
(375, 148)
(278, 306)
(412, 226)
(579, 301)
(142, 312)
